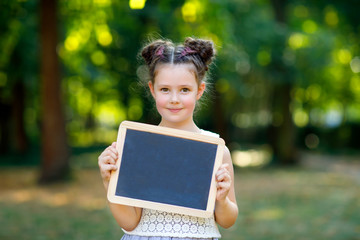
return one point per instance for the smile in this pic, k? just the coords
(174, 110)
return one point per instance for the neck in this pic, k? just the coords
(189, 126)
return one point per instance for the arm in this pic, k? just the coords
(226, 210)
(126, 216)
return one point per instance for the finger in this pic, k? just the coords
(219, 178)
(106, 160)
(108, 168)
(220, 172)
(108, 151)
(223, 185)
(113, 150)
(225, 166)
(112, 154)
(223, 177)
(109, 160)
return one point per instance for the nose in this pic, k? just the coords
(174, 98)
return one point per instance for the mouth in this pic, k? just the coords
(174, 110)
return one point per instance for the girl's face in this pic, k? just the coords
(176, 91)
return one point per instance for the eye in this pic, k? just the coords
(185, 90)
(165, 90)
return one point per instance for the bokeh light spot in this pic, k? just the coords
(104, 38)
(301, 118)
(312, 141)
(263, 57)
(190, 10)
(71, 43)
(297, 40)
(137, 4)
(313, 92)
(98, 58)
(331, 17)
(355, 65)
(309, 26)
(344, 56)
(355, 84)
(102, 3)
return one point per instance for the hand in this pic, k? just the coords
(223, 179)
(106, 162)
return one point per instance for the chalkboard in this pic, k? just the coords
(166, 169)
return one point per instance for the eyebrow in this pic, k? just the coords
(168, 85)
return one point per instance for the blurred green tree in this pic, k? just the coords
(286, 71)
(18, 69)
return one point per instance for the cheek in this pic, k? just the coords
(189, 101)
(160, 101)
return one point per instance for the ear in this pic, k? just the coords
(201, 90)
(151, 87)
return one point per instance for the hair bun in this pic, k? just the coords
(151, 50)
(205, 48)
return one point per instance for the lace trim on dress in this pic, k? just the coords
(159, 223)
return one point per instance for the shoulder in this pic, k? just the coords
(227, 154)
(208, 133)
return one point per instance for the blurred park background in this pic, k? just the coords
(284, 95)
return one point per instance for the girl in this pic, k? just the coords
(176, 82)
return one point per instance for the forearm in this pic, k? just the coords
(127, 217)
(226, 213)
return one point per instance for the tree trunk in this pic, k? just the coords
(55, 152)
(283, 135)
(5, 113)
(21, 141)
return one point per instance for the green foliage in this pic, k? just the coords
(316, 52)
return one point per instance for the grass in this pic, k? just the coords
(274, 204)
(296, 204)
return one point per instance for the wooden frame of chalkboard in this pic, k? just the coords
(166, 169)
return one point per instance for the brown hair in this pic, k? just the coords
(198, 52)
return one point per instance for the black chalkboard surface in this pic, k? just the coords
(166, 169)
